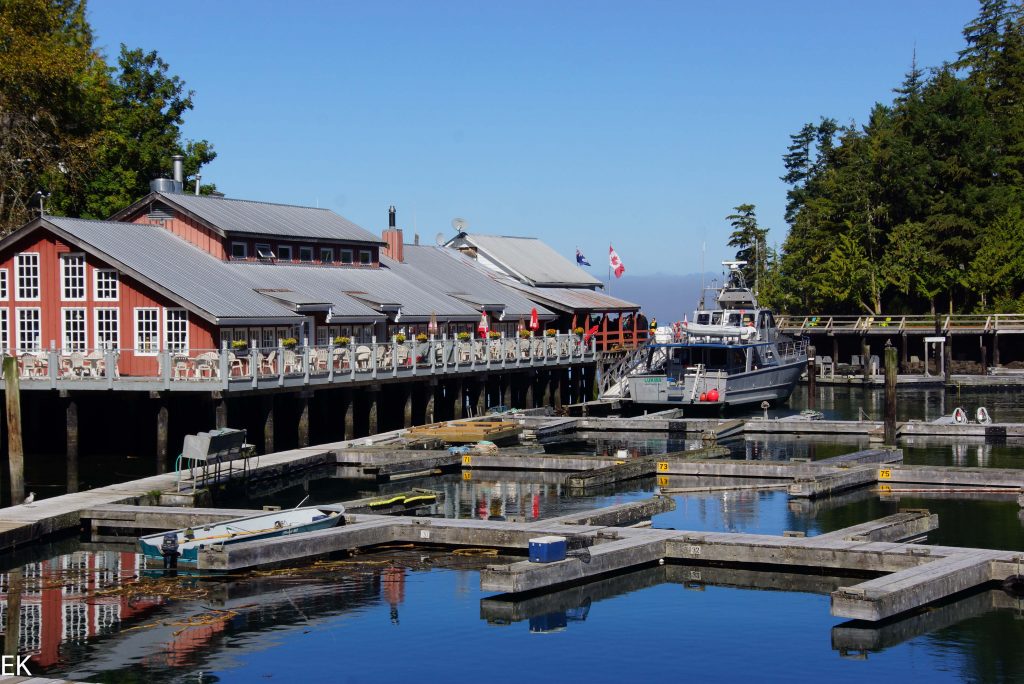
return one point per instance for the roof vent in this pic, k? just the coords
(164, 185)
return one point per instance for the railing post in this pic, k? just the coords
(254, 370)
(51, 364)
(432, 347)
(373, 357)
(109, 367)
(224, 367)
(305, 363)
(504, 349)
(394, 358)
(165, 368)
(444, 352)
(351, 359)
(330, 362)
(280, 364)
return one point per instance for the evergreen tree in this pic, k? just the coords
(750, 241)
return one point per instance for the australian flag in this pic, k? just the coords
(580, 259)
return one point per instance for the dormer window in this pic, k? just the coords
(284, 252)
(365, 256)
(239, 250)
(326, 255)
(264, 252)
(346, 256)
(305, 254)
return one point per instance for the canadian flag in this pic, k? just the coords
(615, 262)
(484, 326)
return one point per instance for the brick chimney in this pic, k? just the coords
(393, 237)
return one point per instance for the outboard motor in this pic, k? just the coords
(169, 550)
(959, 416)
(982, 416)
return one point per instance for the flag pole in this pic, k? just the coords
(608, 280)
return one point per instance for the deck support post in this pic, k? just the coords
(348, 415)
(71, 415)
(812, 377)
(220, 410)
(890, 395)
(546, 391)
(558, 378)
(528, 390)
(163, 420)
(407, 407)
(982, 352)
(506, 392)
(15, 448)
(303, 427)
(268, 424)
(480, 397)
(948, 359)
(428, 406)
(835, 349)
(995, 349)
(865, 359)
(373, 395)
(458, 401)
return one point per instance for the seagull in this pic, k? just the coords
(30, 498)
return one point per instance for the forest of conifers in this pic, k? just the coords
(920, 209)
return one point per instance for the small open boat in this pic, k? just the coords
(262, 526)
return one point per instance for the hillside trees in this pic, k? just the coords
(918, 208)
(90, 135)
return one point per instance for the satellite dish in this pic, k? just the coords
(459, 224)
(439, 239)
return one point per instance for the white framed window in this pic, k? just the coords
(107, 330)
(5, 331)
(27, 265)
(72, 277)
(29, 328)
(267, 339)
(176, 330)
(346, 256)
(4, 292)
(365, 256)
(106, 284)
(305, 253)
(239, 250)
(284, 252)
(264, 251)
(72, 330)
(147, 331)
(225, 338)
(326, 255)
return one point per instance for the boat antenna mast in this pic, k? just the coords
(736, 273)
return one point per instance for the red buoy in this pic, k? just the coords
(703, 396)
(713, 395)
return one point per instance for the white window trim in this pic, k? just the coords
(280, 253)
(330, 251)
(369, 260)
(5, 285)
(167, 342)
(5, 330)
(39, 278)
(135, 331)
(245, 250)
(96, 325)
(312, 253)
(351, 256)
(63, 278)
(268, 249)
(17, 326)
(96, 284)
(64, 327)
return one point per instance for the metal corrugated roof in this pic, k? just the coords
(353, 290)
(531, 259)
(461, 277)
(173, 265)
(572, 298)
(265, 218)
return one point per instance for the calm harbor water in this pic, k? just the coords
(419, 613)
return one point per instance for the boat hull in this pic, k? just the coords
(229, 532)
(772, 384)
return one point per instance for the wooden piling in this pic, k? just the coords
(428, 407)
(865, 359)
(15, 448)
(528, 391)
(268, 424)
(12, 635)
(812, 376)
(890, 394)
(459, 401)
(71, 444)
(407, 408)
(220, 405)
(303, 427)
(371, 414)
(348, 416)
(948, 358)
(162, 422)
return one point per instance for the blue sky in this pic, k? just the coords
(639, 124)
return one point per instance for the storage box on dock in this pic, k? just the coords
(547, 549)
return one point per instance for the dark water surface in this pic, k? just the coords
(420, 614)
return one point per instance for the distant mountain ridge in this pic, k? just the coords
(664, 296)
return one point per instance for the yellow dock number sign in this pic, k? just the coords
(467, 460)
(884, 474)
(662, 466)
